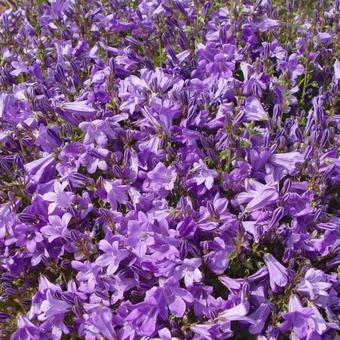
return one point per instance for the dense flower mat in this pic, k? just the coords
(169, 169)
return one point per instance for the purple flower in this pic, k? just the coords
(237, 312)
(97, 131)
(203, 175)
(94, 158)
(161, 177)
(112, 256)
(324, 38)
(116, 193)
(47, 139)
(217, 258)
(267, 24)
(260, 317)
(26, 330)
(27, 236)
(213, 331)
(337, 69)
(80, 108)
(41, 170)
(258, 196)
(314, 284)
(145, 143)
(87, 274)
(176, 297)
(254, 110)
(278, 274)
(287, 161)
(57, 227)
(140, 235)
(293, 66)
(100, 321)
(305, 323)
(52, 307)
(189, 270)
(59, 198)
(7, 220)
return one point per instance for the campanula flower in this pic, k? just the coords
(203, 175)
(57, 227)
(189, 270)
(161, 177)
(278, 274)
(112, 256)
(59, 198)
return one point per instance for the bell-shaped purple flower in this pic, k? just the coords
(278, 274)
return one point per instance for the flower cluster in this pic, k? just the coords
(169, 169)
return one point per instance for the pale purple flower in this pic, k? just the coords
(80, 108)
(97, 131)
(52, 307)
(324, 37)
(57, 227)
(254, 110)
(59, 198)
(278, 274)
(116, 192)
(140, 235)
(189, 270)
(87, 274)
(237, 312)
(203, 175)
(304, 322)
(94, 158)
(100, 321)
(161, 177)
(287, 161)
(258, 196)
(7, 220)
(112, 256)
(267, 24)
(314, 284)
(337, 69)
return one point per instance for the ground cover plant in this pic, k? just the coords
(169, 169)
